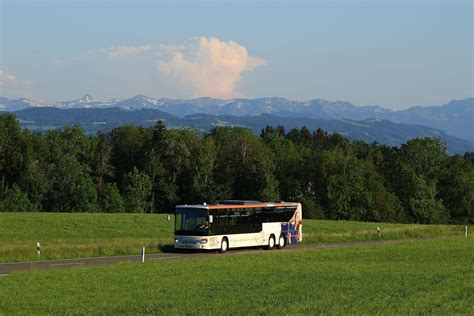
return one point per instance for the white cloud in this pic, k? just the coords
(8, 80)
(207, 66)
(122, 51)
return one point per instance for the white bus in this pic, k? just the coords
(234, 224)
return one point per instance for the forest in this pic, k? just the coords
(152, 169)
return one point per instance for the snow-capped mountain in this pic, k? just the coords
(240, 107)
(14, 105)
(86, 101)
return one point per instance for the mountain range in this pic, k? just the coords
(368, 123)
(455, 118)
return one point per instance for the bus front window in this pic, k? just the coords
(191, 221)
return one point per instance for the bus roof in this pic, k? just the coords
(238, 204)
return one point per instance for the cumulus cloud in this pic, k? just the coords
(207, 66)
(8, 80)
(122, 51)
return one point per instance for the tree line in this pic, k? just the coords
(137, 169)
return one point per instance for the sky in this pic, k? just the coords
(391, 53)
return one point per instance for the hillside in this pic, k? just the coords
(455, 118)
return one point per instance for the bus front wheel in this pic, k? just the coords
(224, 245)
(281, 242)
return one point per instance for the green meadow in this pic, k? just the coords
(412, 277)
(75, 235)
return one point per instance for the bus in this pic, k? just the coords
(237, 223)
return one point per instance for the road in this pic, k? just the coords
(7, 268)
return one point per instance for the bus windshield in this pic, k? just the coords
(191, 221)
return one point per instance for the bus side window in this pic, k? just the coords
(220, 222)
(243, 220)
(233, 223)
(259, 216)
(226, 217)
(248, 220)
(271, 215)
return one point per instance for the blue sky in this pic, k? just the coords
(391, 53)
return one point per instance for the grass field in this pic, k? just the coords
(74, 235)
(412, 277)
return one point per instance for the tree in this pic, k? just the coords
(202, 187)
(292, 165)
(425, 156)
(223, 172)
(162, 190)
(320, 138)
(456, 190)
(128, 150)
(137, 191)
(101, 165)
(36, 182)
(336, 140)
(112, 201)
(469, 157)
(72, 187)
(253, 168)
(14, 200)
(267, 130)
(377, 204)
(302, 136)
(312, 210)
(423, 204)
(13, 149)
(243, 167)
(344, 182)
(155, 169)
(67, 157)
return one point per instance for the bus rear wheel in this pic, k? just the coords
(281, 242)
(224, 245)
(271, 242)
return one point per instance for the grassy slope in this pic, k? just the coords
(72, 235)
(430, 276)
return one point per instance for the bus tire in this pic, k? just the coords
(281, 242)
(224, 245)
(271, 242)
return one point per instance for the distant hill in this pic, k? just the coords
(103, 119)
(455, 118)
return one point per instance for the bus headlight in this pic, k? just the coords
(203, 240)
(176, 241)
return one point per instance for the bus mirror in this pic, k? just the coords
(168, 217)
(210, 219)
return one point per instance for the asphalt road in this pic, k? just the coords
(7, 268)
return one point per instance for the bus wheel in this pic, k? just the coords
(271, 242)
(224, 245)
(281, 242)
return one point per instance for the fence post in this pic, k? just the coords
(465, 231)
(379, 233)
(143, 254)
(38, 248)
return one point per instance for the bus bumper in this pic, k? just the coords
(187, 242)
